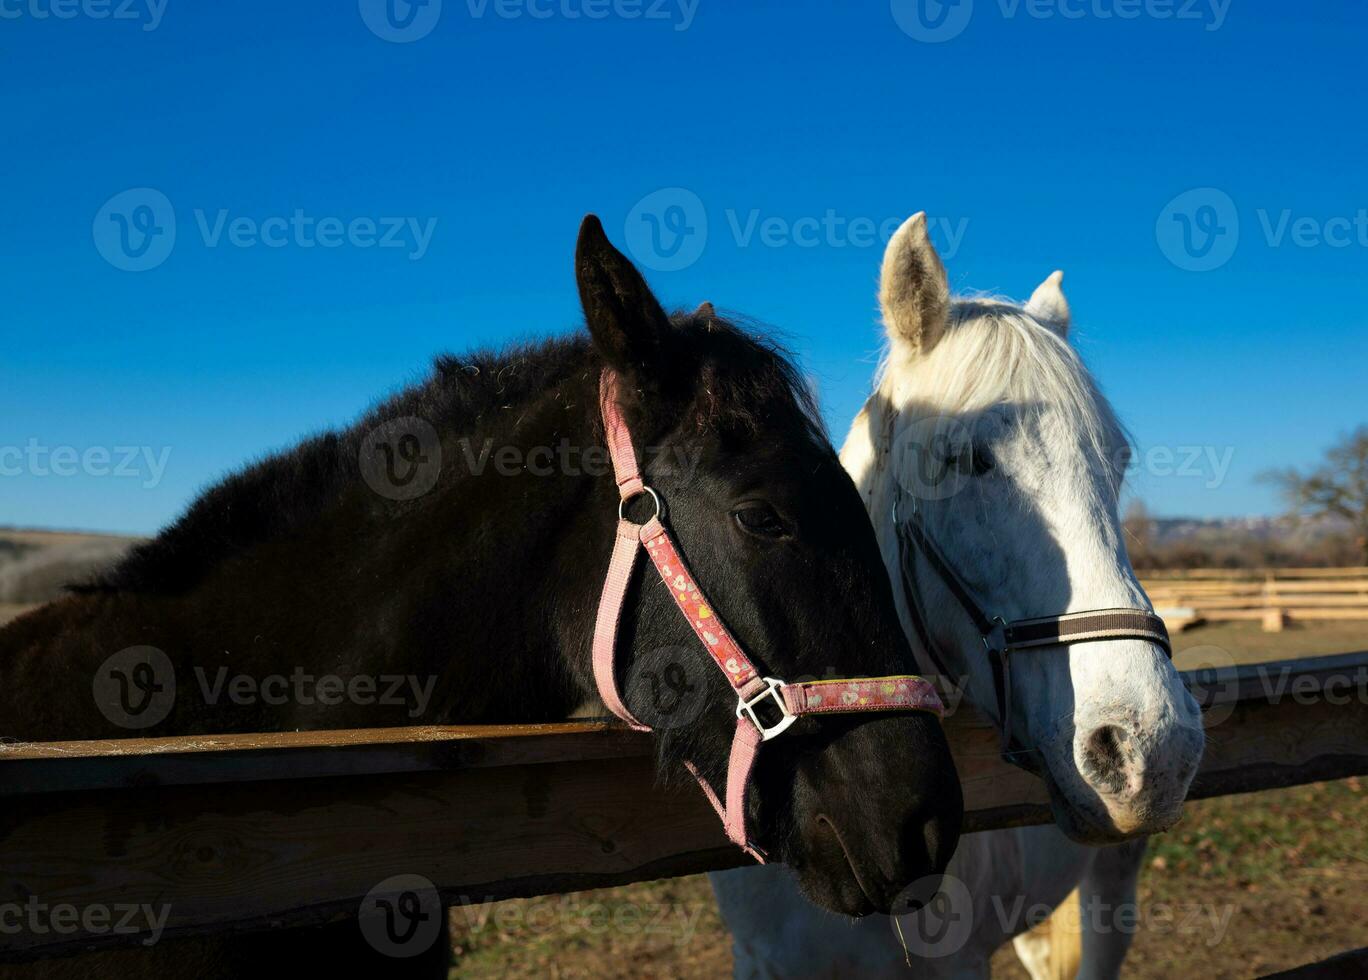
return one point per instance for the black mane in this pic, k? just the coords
(741, 380)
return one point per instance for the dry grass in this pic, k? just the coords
(1253, 884)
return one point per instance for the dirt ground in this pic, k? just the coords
(1246, 642)
(1242, 887)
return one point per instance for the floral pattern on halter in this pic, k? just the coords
(905, 693)
(698, 611)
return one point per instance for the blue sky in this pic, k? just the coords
(279, 140)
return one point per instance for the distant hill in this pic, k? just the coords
(1238, 542)
(1168, 529)
(35, 565)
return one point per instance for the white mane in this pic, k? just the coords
(994, 352)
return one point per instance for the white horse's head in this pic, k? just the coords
(986, 421)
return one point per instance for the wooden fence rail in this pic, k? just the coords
(245, 832)
(1273, 597)
(1356, 571)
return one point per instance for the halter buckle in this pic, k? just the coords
(995, 641)
(746, 709)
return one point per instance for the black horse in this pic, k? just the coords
(456, 539)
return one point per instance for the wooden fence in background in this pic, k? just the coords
(1274, 597)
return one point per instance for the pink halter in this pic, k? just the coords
(900, 693)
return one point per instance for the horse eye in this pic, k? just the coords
(760, 519)
(975, 460)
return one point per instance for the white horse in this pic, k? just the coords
(986, 428)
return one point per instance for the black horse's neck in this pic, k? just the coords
(470, 602)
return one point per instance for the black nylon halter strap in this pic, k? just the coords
(911, 539)
(1000, 637)
(1090, 626)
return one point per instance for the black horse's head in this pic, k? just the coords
(860, 805)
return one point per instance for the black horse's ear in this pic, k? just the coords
(629, 328)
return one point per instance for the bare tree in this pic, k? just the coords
(1337, 488)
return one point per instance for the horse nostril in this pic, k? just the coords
(1105, 746)
(1104, 757)
(927, 846)
(933, 839)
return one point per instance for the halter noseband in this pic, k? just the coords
(900, 693)
(1001, 637)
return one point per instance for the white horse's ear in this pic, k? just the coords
(1048, 304)
(913, 289)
